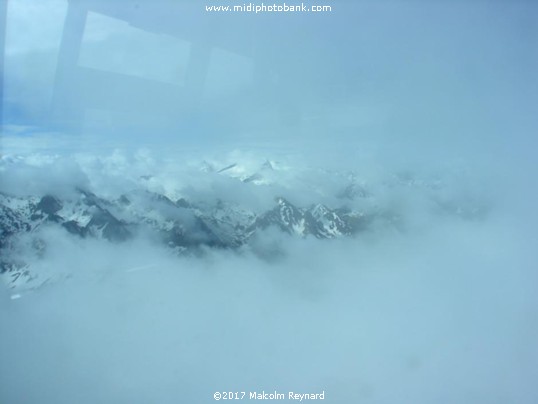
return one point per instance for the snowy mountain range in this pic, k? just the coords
(184, 225)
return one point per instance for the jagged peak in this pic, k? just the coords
(267, 165)
(320, 209)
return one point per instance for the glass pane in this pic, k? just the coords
(321, 200)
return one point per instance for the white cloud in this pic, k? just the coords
(378, 320)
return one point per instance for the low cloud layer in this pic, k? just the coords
(444, 316)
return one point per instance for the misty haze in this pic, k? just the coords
(337, 204)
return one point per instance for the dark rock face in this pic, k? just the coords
(182, 203)
(49, 205)
(74, 228)
(11, 223)
(111, 228)
(196, 235)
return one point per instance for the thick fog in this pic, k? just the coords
(444, 316)
(431, 108)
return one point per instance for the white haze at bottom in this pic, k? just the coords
(444, 313)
